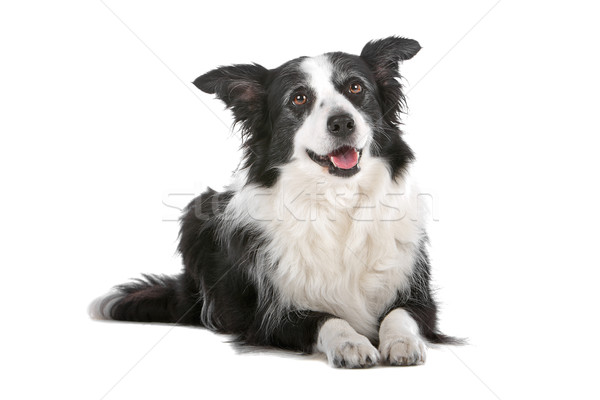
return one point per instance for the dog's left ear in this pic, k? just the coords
(241, 89)
(383, 57)
(385, 54)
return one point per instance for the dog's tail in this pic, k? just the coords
(152, 298)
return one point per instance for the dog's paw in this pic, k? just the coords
(353, 354)
(344, 347)
(403, 350)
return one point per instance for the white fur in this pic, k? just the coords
(344, 246)
(337, 245)
(399, 339)
(99, 309)
(344, 347)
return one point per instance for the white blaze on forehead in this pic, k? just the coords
(319, 71)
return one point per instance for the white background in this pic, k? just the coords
(102, 137)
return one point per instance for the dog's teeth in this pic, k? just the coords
(333, 162)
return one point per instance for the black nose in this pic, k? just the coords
(340, 125)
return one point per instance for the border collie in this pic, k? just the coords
(318, 245)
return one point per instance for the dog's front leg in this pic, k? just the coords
(310, 331)
(344, 346)
(399, 340)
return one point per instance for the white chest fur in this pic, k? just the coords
(339, 246)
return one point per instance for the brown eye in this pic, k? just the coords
(355, 88)
(300, 99)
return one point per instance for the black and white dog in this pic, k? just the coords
(319, 244)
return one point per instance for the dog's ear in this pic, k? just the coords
(241, 89)
(383, 57)
(387, 53)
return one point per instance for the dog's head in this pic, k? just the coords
(325, 112)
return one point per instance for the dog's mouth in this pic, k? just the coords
(342, 162)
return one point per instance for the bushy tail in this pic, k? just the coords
(152, 298)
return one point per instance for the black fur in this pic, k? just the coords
(420, 304)
(216, 288)
(158, 299)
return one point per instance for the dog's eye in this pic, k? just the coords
(355, 88)
(299, 99)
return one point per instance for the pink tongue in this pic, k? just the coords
(344, 158)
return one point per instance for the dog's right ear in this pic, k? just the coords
(239, 86)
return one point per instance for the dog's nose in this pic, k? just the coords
(340, 125)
